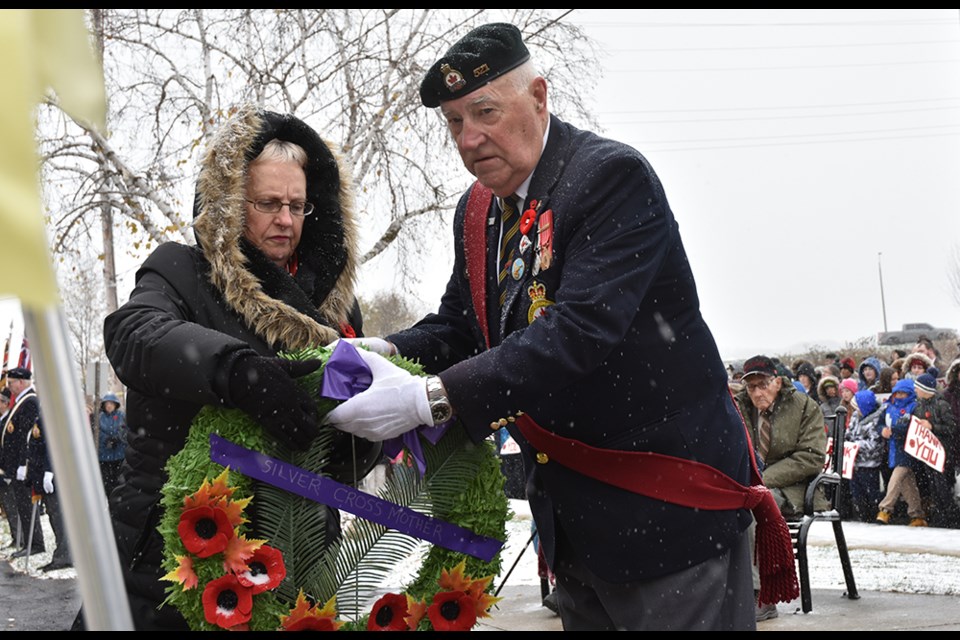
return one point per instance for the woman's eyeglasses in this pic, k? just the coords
(297, 208)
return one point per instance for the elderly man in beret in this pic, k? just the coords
(786, 427)
(571, 317)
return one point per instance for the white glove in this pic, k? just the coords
(22, 472)
(48, 481)
(377, 345)
(395, 403)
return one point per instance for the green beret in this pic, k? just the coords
(484, 54)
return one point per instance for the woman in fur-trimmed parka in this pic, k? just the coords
(204, 323)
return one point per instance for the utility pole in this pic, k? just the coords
(883, 302)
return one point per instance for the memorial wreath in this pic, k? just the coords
(247, 545)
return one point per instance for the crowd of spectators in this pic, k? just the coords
(883, 394)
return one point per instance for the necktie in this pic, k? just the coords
(764, 436)
(510, 224)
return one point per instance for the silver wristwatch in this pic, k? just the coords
(440, 408)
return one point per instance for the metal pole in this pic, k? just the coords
(33, 524)
(882, 301)
(84, 505)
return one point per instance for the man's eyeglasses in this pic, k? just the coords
(297, 208)
(761, 385)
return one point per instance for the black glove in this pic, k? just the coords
(265, 389)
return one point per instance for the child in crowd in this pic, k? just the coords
(869, 372)
(934, 412)
(889, 376)
(865, 483)
(828, 393)
(903, 480)
(915, 365)
(848, 389)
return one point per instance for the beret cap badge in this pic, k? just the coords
(452, 78)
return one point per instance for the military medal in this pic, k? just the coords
(35, 432)
(525, 243)
(516, 270)
(545, 239)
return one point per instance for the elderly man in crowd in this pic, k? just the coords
(786, 427)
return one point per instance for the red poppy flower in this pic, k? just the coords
(452, 611)
(205, 530)
(388, 614)
(265, 570)
(226, 602)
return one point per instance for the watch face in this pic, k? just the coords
(440, 411)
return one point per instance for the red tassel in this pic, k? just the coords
(774, 549)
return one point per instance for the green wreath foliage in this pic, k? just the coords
(462, 485)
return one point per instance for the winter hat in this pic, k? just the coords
(905, 386)
(925, 382)
(849, 364)
(851, 385)
(759, 365)
(866, 401)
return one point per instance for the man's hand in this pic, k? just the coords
(377, 345)
(395, 403)
(48, 481)
(265, 388)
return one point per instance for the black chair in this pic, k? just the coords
(831, 481)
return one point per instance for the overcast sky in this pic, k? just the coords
(802, 151)
(796, 147)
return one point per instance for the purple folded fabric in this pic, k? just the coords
(346, 374)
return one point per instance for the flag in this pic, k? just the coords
(25, 361)
(41, 49)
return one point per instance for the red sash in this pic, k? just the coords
(475, 251)
(686, 483)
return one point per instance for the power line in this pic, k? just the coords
(754, 118)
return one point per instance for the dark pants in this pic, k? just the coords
(25, 511)
(110, 472)
(51, 501)
(865, 492)
(715, 595)
(8, 500)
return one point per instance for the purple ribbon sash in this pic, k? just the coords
(346, 498)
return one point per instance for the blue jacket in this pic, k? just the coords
(607, 346)
(113, 431)
(899, 412)
(874, 363)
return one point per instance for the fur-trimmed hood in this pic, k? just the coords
(321, 296)
(953, 370)
(822, 387)
(911, 357)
